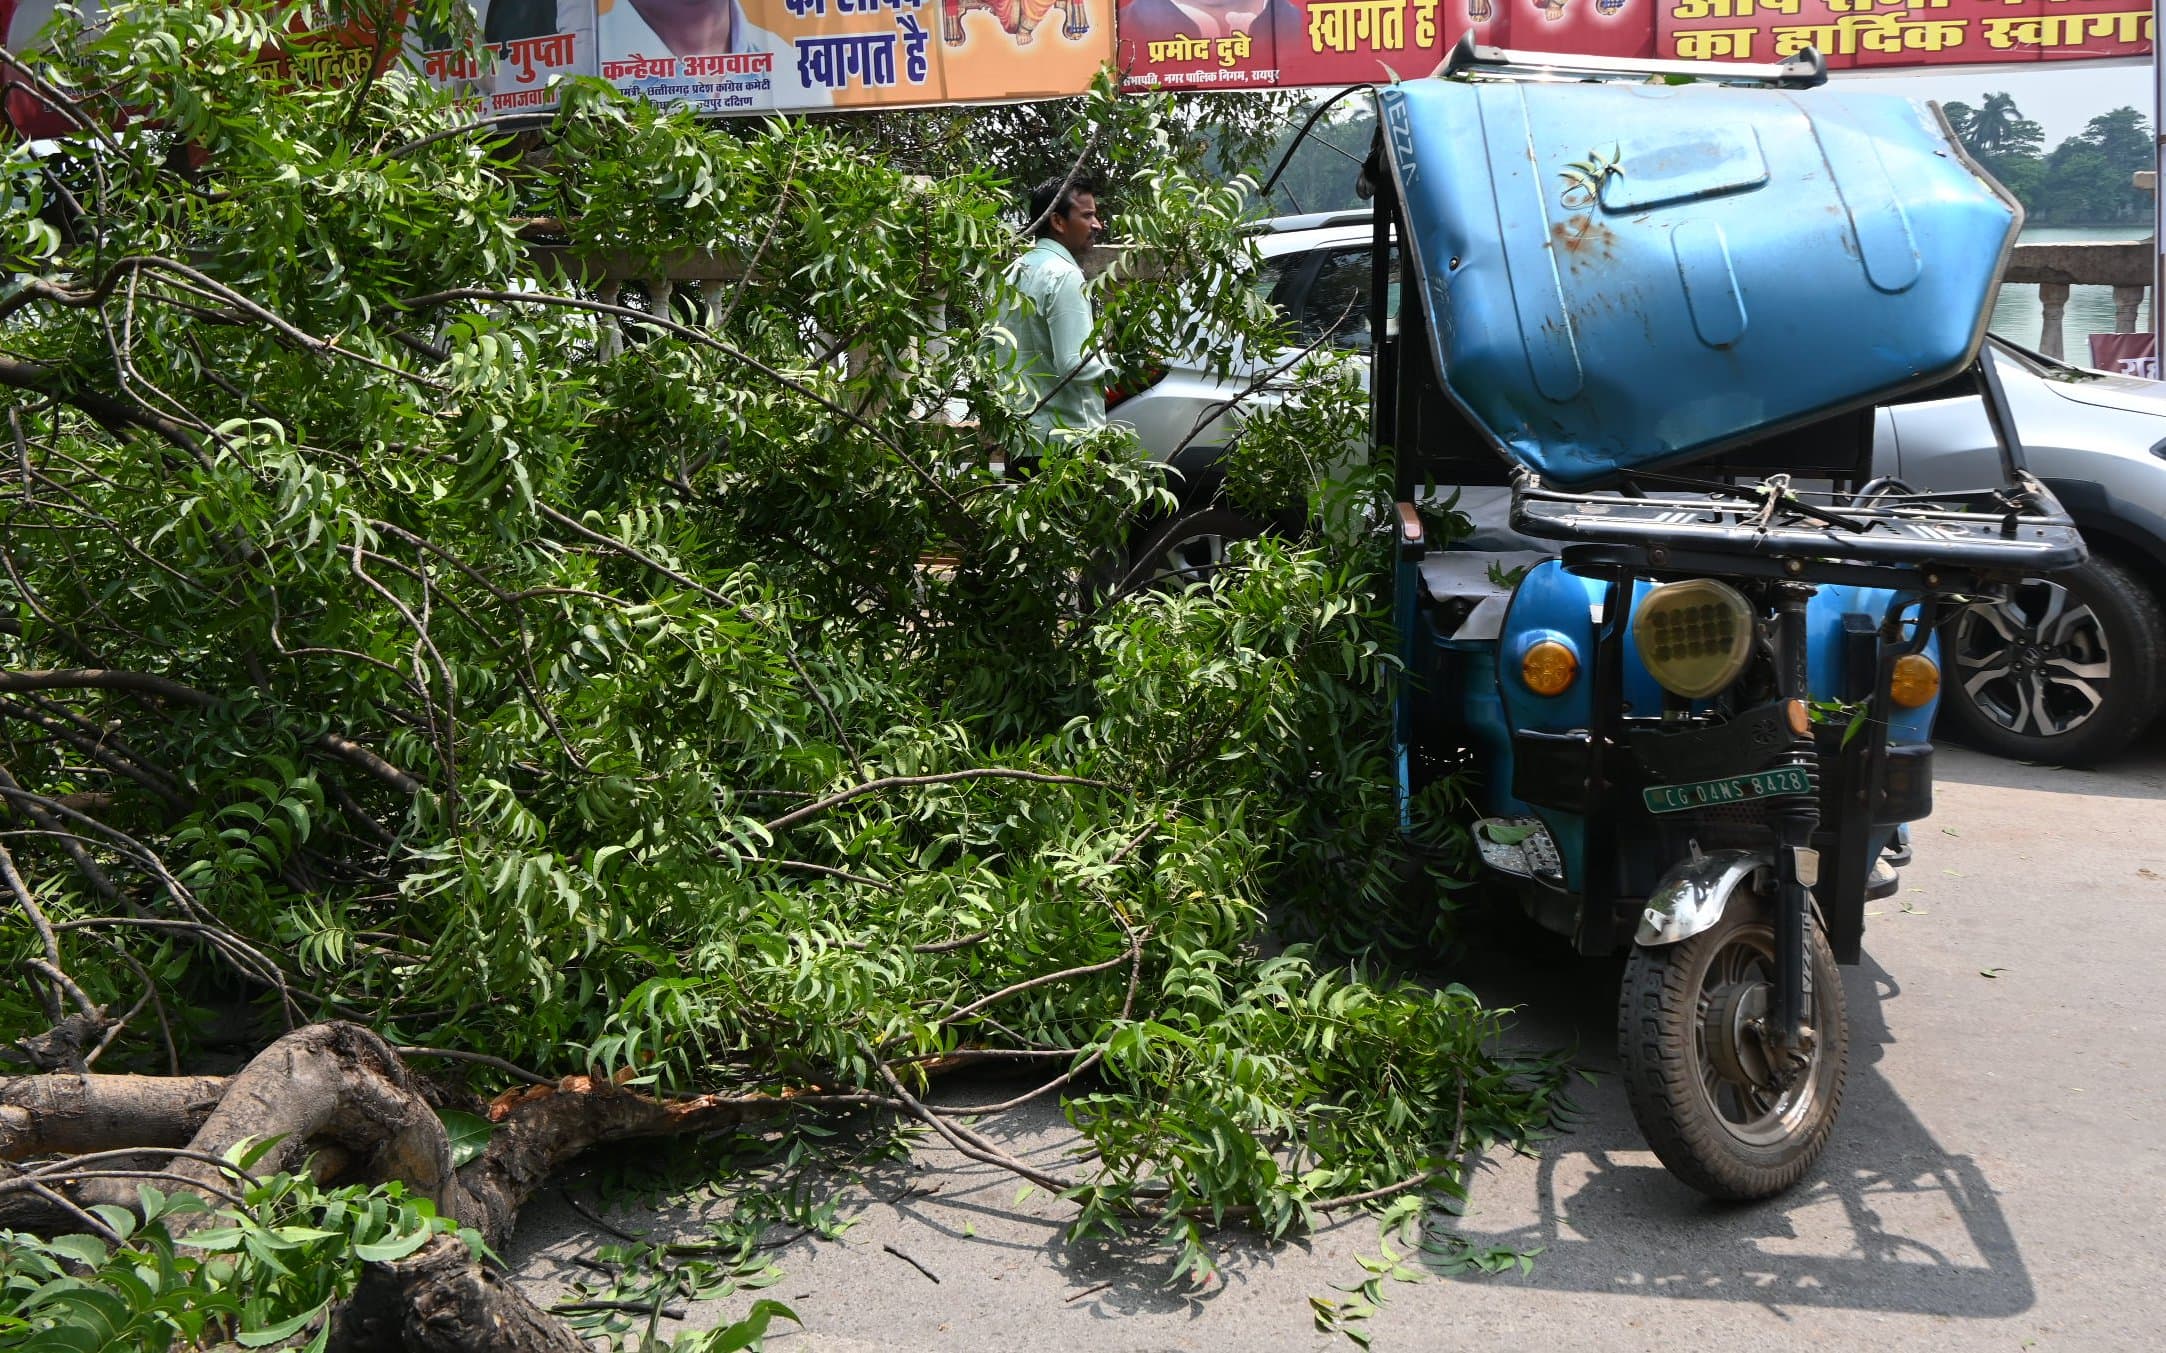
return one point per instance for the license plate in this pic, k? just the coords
(1782, 782)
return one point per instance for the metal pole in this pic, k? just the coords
(2158, 193)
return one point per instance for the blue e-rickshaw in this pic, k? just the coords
(1692, 682)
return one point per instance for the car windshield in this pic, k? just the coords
(1331, 306)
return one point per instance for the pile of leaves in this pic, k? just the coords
(399, 625)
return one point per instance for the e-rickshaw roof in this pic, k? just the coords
(1620, 269)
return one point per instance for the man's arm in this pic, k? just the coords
(1068, 323)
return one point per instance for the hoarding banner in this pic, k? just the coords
(2126, 354)
(1261, 44)
(762, 56)
(1865, 34)
(724, 56)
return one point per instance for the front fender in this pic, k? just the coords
(1691, 896)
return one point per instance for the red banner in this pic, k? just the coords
(1855, 34)
(2125, 354)
(1251, 44)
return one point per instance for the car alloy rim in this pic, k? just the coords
(1193, 559)
(1736, 1065)
(2035, 664)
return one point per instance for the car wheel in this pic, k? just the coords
(2065, 671)
(1188, 548)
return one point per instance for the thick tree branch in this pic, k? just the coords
(115, 415)
(63, 1113)
(810, 810)
(179, 693)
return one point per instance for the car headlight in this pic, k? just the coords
(1694, 637)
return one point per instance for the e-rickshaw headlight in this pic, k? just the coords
(1914, 682)
(1694, 637)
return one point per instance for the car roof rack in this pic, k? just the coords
(1314, 220)
(1807, 70)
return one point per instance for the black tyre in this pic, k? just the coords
(2067, 670)
(1698, 1073)
(1187, 548)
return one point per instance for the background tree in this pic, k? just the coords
(1962, 119)
(2004, 142)
(1999, 126)
(411, 660)
(2089, 179)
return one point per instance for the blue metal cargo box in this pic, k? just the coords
(1623, 276)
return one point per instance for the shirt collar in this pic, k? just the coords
(1048, 245)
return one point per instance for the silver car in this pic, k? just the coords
(2067, 670)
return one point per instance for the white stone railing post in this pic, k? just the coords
(2052, 304)
(610, 340)
(2127, 303)
(2053, 268)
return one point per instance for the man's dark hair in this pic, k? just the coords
(1055, 197)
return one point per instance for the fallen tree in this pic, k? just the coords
(415, 658)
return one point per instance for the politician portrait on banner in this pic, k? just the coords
(719, 56)
(1202, 44)
(506, 55)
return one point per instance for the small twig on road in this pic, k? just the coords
(911, 1262)
(619, 1232)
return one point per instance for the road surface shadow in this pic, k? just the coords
(2137, 772)
(1888, 1221)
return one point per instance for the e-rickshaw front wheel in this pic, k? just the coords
(1726, 1109)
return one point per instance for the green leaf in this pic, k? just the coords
(216, 1238)
(86, 1250)
(753, 1328)
(469, 1134)
(249, 1150)
(398, 1247)
(284, 1329)
(1855, 726)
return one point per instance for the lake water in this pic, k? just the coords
(2090, 309)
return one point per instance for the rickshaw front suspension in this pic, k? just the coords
(1794, 819)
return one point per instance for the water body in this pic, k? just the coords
(2017, 314)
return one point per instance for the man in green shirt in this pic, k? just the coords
(1044, 326)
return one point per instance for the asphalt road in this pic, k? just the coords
(1997, 1182)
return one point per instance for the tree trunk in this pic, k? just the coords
(438, 1300)
(340, 1101)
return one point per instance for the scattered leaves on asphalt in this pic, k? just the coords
(1991, 972)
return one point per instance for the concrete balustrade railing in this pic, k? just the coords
(2054, 268)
